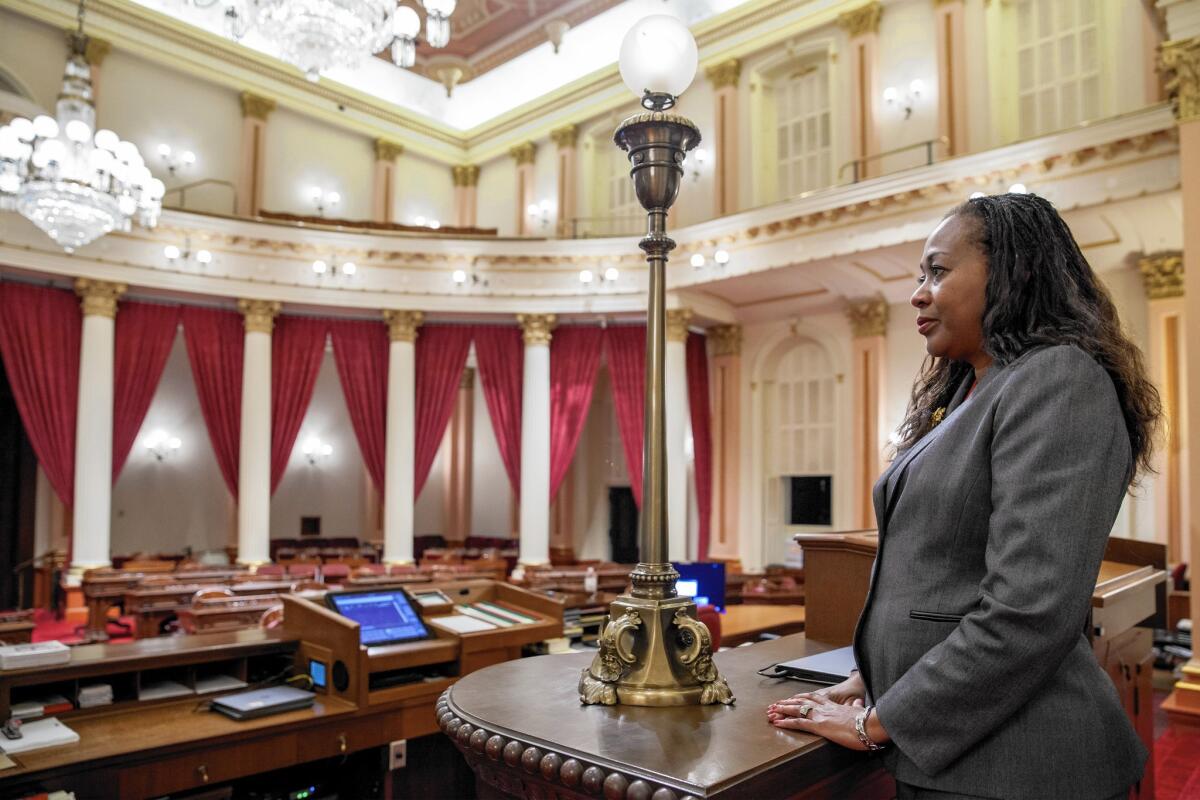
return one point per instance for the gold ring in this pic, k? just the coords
(805, 710)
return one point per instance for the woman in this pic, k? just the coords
(1030, 420)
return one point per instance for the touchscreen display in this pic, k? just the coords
(383, 617)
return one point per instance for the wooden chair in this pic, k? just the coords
(272, 618)
(269, 571)
(302, 570)
(211, 593)
(308, 586)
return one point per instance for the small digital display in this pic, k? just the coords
(317, 671)
(383, 617)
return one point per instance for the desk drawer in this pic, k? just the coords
(348, 736)
(210, 765)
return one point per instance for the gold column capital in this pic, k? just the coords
(256, 107)
(402, 325)
(259, 315)
(868, 317)
(523, 153)
(467, 381)
(1180, 59)
(677, 324)
(862, 20)
(98, 298)
(1162, 274)
(727, 73)
(725, 340)
(566, 136)
(465, 174)
(536, 327)
(387, 151)
(940, 3)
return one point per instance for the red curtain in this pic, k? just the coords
(697, 378)
(360, 351)
(441, 353)
(500, 356)
(297, 346)
(574, 360)
(627, 366)
(40, 332)
(215, 341)
(145, 334)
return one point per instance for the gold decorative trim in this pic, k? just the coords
(725, 340)
(387, 150)
(655, 116)
(465, 174)
(677, 324)
(256, 107)
(259, 315)
(566, 136)
(94, 50)
(1180, 59)
(727, 73)
(523, 153)
(467, 381)
(868, 317)
(402, 325)
(862, 20)
(98, 298)
(536, 327)
(1162, 274)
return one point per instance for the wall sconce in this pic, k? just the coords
(315, 450)
(720, 258)
(588, 278)
(176, 161)
(464, 279)
(916, 88)
(697, 159)
(333, 268)
(176, 254)
(322, 199)
(161, 444)
(421, 222)
(540, 212)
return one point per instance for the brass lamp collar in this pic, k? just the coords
(657, 101)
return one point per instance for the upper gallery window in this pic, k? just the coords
(802, 129)
(1058, 64)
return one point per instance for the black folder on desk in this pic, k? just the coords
(830, 667)
(262, 702)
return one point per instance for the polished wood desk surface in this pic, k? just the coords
(696, 750)
(743, 620)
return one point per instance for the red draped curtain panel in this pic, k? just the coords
(441, 354)
(698, 404)
(500, 356)
(297, 347)
(215, 342)
(40, 331)
(627, 368)
(574, 361)
(145, 334)
(360, 351)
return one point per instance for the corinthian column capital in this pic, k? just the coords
(725, 340)
(402, 325)
(98, 298)
(536, 327)
(868, 318)
(259, 315)
(1181, 60)
(1162, 274)
(678, 320)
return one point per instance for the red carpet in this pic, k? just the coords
(47, 628)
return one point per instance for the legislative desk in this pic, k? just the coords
(745, 623)
(522, 729)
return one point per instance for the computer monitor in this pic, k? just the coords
(704, 581)
(384, 616)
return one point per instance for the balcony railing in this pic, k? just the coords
(598, 227)
(859, 165)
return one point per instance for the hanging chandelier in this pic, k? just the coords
(72, 181)
(318, 35)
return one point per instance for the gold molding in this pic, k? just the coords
(467, 381)
(523, 153)
(536, 327)
(94, 50)
(256, 107)
(259, 315)
(726, 73)
(98, 298)
(678, 320)
(386, 150)
(725, 340)
(862, 20)
(402, 325)
(868, 317)
(1162, 274)
(1181, 60)
(465, 174)
(566, 136)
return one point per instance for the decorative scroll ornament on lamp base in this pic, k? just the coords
(653, 650)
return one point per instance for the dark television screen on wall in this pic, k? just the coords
(810, 500)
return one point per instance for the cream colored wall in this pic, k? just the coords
(427, 515)
(497, 195)
(423, 188)
(34, 54)
(599, 465)
(302, 152)
(491, 490)
(906, 52)
(545, 186)
(696, 200)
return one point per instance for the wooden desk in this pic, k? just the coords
(744, 623)
(523, 731)
(16, 632)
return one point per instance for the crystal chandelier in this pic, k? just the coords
(74, 184)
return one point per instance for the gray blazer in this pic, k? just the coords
(991, 531)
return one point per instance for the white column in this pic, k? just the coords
(94, 425)
(254, 454)
(535, 440)
(678, 416)
(398, 499)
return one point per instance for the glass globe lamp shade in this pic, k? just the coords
(441, 7)
(406, 23)
(659, 56)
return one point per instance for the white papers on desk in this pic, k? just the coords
(37, 735)
(157, 690)
(33, 654)
(218, 683)
(461, 623)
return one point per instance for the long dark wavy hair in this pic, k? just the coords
(1040, 291)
